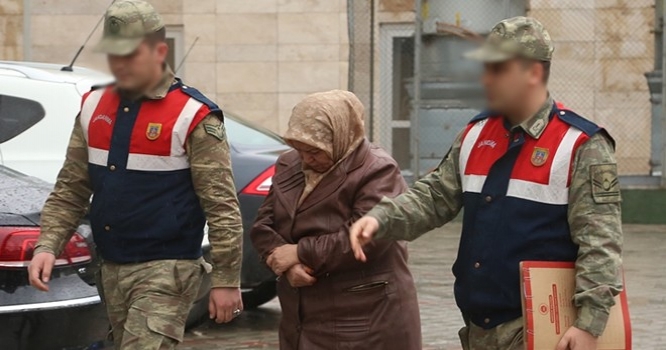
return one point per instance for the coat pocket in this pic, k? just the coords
(356, 308)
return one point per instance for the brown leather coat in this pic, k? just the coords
(352, 305)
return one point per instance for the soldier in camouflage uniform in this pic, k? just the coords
(154, 154)
(537, 182)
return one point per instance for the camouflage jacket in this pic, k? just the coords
(210, 162)
(594, 217)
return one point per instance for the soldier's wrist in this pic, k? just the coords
(224, 278)
(592, 320)
(381, 230)
(43, 249)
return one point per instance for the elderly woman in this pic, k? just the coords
(331, 178)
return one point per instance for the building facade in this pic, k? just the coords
(258, 58)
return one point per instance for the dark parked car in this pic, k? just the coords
(71, 315)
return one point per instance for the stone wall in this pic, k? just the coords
(602, 50)
(256, 58)
(11, 29)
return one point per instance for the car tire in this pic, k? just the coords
(255, 297)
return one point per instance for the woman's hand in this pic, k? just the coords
(300, 275)
(282, 258)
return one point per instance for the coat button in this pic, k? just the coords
(486, 321)
(184, 87)
(477, 265)
(126, 109)
(489, 199)
(107, 228)
(112, 167)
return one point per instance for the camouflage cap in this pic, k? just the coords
(126, 24)
(515, 37)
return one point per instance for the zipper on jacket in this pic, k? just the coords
(366, 286)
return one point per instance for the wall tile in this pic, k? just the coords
(12, 30)
(308, 76)
(247, 53)
(244, 101)
(624, 74)
(567, 25)
(11, 7)
(199, 6)
(561, 4)
(201, 53)
(246, 6)
(288, 52)
(396, 5)
(201, 75)
(614, 24)
(168, 6)
(626, 48)
(246, 29)
(246, 77)
(268, 119)
(308, 6)
(287, 101)
(315, 28)
(45, 29)
(67, 7)
(11, 53)
(623, 3)
(202, 26)
(567, 50)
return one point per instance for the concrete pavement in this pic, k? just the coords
(431, 258)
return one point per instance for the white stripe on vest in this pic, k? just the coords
(88, 108)
(177, 160)
(555, 192)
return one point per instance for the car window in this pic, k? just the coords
(242, 134)
(18, 115)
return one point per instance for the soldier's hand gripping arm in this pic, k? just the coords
(595, 223)
(210, 162)
(64, 208)
(433, 201)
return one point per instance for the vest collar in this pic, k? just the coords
(535, 125)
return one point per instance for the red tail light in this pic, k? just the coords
(261, 184)
(17, 245)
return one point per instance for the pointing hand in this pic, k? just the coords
(361, 233)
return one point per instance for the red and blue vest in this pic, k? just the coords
(144, 206)
(515, 195)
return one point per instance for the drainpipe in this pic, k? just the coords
(27, 30)
(655, 83)
(660, 6)
(418, 43)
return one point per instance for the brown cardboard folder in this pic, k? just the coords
(547, 291)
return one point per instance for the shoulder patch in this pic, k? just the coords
(605, 183)
(217, 131)
(197, 95)
(481, 116)
(575, 120)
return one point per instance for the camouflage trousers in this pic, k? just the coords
(148, 303)
(506, 336)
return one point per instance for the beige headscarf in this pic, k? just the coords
(331, 121)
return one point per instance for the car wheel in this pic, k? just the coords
(255, 297)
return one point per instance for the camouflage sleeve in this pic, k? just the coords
(210, 162)
(595, 222)
(433, 201)
(70, 199)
